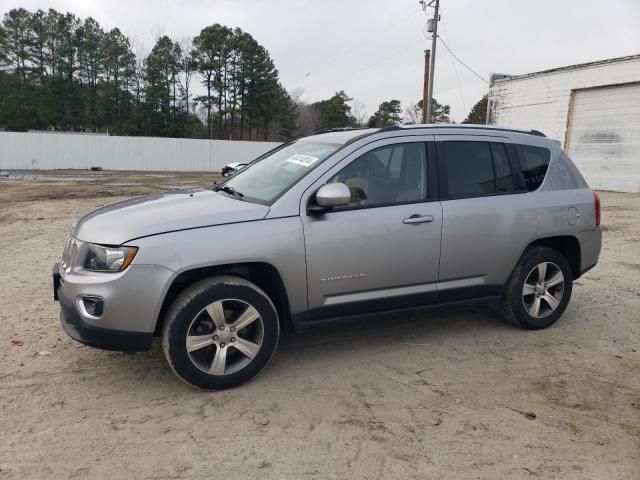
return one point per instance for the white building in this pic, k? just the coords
(593, 109)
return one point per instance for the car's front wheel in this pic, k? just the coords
(220, 332)
(539, 289)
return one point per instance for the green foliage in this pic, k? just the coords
(3, 47)
(61, 72)
(478, 114)
(18, 38)
(161, 96)
(212, 51)
(440, 113)
(334, 112)
(284, 118)
(388, 114)
(243, 93)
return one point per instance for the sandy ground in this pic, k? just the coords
(435, 395)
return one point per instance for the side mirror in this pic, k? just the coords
(332, 195)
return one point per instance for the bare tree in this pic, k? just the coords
(157, 31)
(359, 112)
(413, 114)
(138, 76)
(187, 69)
(307, 119)
(296, 94)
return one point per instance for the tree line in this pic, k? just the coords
(341, 111)
(63, 73)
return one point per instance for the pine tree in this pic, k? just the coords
(478, 113)
(389, 113)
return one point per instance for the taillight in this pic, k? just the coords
(596, 198)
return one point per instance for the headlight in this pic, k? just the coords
(107, 259)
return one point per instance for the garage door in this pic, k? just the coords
(604, 136)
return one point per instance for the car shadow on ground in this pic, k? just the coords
(315, 349)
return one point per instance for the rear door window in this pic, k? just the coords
(502, 169)
(468, 168)
(534, 162)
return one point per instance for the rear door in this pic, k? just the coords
(486, 220)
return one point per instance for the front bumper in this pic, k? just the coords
(97, 337)
(132, 303)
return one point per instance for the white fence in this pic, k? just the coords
(47, 151)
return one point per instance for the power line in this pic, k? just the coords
(350, 51)
(386, 58)
(461, 62)
(399, 22)
(352, 74)
(455, 69)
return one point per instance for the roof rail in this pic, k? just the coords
(395, 128)
(339, 129)
(537, 133)
(389, 128)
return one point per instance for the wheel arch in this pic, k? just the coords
(262, 274)
(567, 245)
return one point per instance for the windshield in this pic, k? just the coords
(269, 176)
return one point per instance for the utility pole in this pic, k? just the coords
(425, 86)
(432, 67)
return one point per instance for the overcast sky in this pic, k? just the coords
(373, 49)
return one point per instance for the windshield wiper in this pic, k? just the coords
(229, 190)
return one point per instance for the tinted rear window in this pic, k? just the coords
(469, 168)
(534, 162)
(504, 177)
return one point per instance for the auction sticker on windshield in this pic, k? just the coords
(304, 160)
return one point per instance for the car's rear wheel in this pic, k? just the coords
(539, 289)
(220, 332)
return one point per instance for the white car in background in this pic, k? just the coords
(232, 168)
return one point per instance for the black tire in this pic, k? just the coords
(190, 303)
(513, 302)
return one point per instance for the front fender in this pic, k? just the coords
(278, 242)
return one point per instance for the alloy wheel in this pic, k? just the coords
(543, 289)
(224, 337)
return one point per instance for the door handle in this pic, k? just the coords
(416, 219)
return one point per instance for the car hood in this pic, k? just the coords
(120, 222)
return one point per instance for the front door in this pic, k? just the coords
(382, 251)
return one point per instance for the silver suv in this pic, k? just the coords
(326, 228)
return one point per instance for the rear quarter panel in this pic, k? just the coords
(570, 213)
(566, 207)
